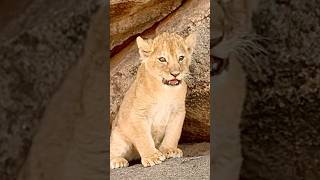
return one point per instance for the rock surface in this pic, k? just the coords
(280, 128)
(128, 18)
(192, 16)
(36, 51)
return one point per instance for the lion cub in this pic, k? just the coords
(149, 122)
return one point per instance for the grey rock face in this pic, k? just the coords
(280, 130)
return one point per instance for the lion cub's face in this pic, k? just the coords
(167, 57)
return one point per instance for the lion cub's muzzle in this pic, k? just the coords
(172, 82)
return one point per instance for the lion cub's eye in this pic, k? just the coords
(162, 59)
(181, 58)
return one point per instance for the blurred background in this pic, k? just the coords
(276, 42)
(48, 128)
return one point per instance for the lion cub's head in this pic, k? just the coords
(167, 57)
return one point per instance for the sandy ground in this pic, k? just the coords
(194, 165)
(182, 168)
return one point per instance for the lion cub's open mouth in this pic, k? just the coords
(172, 82)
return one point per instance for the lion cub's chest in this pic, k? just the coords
(160, 115)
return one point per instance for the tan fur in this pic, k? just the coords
(150, 118)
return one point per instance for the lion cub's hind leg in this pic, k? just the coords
(119, 150)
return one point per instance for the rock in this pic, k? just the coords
(129, 18)
(196, 167)
(41, 47)
(192, 16)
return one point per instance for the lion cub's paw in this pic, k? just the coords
(172, 152)
(118, 162)
(153, 159)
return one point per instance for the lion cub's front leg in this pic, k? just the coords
(169, 145)
(143, 141)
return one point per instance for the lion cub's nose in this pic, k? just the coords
(175, 74)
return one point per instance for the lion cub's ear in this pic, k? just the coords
(144, 47)
(191, 41)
